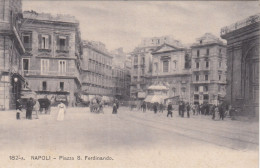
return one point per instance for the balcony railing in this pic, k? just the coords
(48, 73)
(240, 24)
(200, 81)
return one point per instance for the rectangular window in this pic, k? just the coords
(196, 88)
(44, 66)
(206, 88)
(219, 51)
(45, 42)
(27, 41)
(63, 43)
(25, 65)
(196, 97)
(174, 65)
(156, 67)
(61, 86)
(197, 77)
(197, 65)
(207, 64)
(62, 67)
(198, 53)
(206, 77)
(219, 64)
(219, 77)
(44, 85)
(207, 51)
(165, 66)
(135, 60)
(206, 97)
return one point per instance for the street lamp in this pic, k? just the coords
(16, 91)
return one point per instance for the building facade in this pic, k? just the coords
(121, 75)
(141, 59)
(96, 70)
(11, 49)
(50, 62)
(208, 70)
(171, 68)
(243, 64)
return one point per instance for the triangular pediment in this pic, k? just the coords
(165, 48)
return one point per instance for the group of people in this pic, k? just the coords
(217, 111)
(31, 105)
(34, 105)
(96, 105)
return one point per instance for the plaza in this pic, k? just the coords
(130, 138)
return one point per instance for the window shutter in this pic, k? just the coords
(40, 41)
(58, 42)
(67, 43)
(50, 42)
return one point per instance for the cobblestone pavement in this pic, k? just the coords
(130, 138)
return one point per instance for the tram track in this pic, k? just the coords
(192, 134)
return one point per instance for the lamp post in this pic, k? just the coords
(16, 91)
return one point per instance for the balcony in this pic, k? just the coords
(200, 82)
(48, 73)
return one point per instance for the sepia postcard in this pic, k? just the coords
(129, 84)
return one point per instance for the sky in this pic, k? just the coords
(124, 23)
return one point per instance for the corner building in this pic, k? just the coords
(208, 70)
(11, 50)
(96, 70)
(50, 62)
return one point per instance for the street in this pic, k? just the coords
(130, 138)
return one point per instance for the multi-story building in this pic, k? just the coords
(96, 70)
(121, 67)
(11, 49)
(50, 62)
(208, 70)
(171, 67)
(142, 64)
(243, 41)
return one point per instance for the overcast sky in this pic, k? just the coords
(124, 23)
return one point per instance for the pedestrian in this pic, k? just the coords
(36, 108)
(221, 111)
(61, 113)
(155, 108)
(18, 109)
(144, 106)
(29, 108)
(101, 104)
(215, 112)
(188, 110)
(169, 109)
(182, 109)
(114, 108)
(161, 107)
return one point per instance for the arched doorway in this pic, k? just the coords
(252, 81)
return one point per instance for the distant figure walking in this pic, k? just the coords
(169, 110)
(61, 113)
(36, 108)
(29, 109)
(155, 108)
(114, 108)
